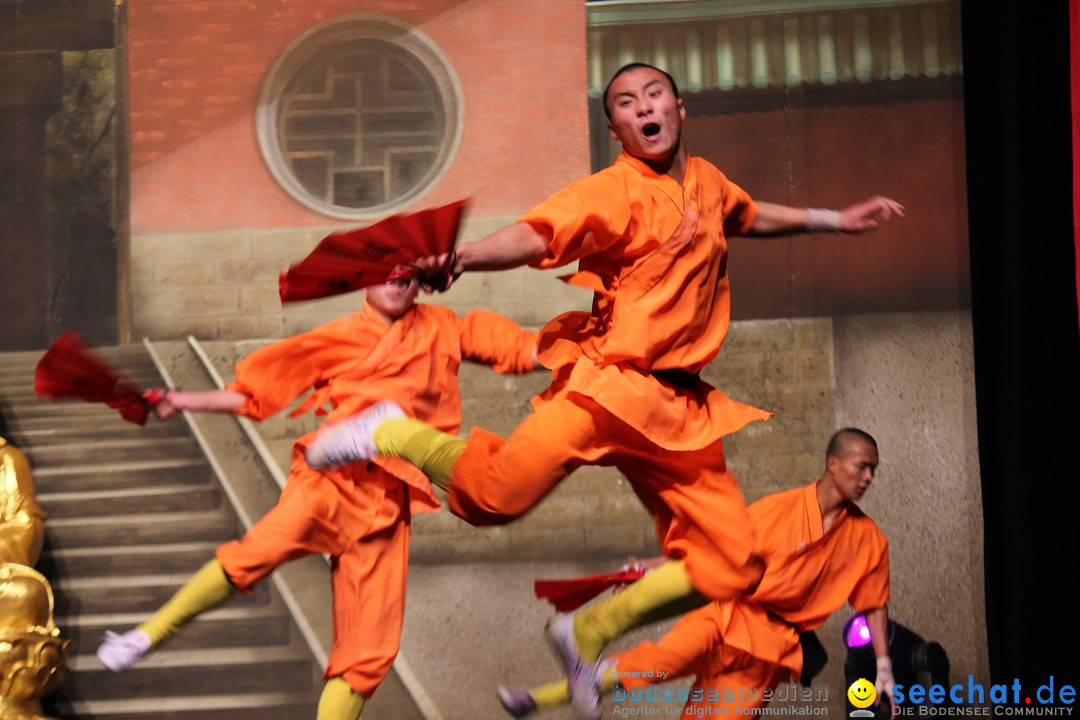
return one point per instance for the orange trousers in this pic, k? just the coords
(368, 573)
(729, 682)
(699, 511)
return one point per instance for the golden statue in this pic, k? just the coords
(33, 656)
(22, 523)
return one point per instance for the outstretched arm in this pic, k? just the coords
(208, 400)
(878, 622)
(513, 246)
(510, 247)
(773, 219)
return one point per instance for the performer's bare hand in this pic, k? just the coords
(161, 400)
(866, 215)
(438, 272)
(885, 681)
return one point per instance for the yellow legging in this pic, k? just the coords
(428, 448)
(208, 588)
(339, 701)
(662, 593)
(557, 693)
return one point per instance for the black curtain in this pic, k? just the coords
(1027, 350)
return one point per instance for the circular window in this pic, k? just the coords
(359, 116)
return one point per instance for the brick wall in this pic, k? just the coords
(211, 228)
(197, 68)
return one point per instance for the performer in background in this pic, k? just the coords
(820, 552)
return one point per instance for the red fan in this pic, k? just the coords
(353, 260)
(69, 368)
(567, 595)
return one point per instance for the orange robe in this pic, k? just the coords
(655, 254)
(741, 648)
(359, 514)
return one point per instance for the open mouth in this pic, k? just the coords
(651, 130)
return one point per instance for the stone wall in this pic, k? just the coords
(223, 284)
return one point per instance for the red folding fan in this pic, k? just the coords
(70, 369)
(353, 260)
(568, 595)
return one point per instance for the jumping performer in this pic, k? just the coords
(360, 514)
(650, 236)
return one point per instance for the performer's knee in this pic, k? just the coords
(482, 514)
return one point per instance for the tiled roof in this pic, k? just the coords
(734, 44)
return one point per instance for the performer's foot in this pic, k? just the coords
(582, 676)
(120, 652)
(353, 438)
(516, 701)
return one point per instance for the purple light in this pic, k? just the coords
(856, 633)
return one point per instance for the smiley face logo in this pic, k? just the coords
(861, 694)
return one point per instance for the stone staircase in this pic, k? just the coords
(132, 512)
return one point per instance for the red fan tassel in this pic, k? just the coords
(70, 369)
(568, 595)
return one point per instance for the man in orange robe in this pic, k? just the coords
(820, 552)
(360, 514)
(649, 235)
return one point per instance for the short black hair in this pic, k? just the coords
(838, 442)
(634, 66)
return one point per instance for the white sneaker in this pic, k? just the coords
(353, 438)
(120, 652)
(518, 703)
(582, 676)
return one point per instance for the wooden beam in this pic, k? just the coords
(29, 25)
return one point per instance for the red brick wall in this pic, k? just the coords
(197, 68)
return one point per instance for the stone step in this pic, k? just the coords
(104, 475)
(185, 672)
(113, 560)
(133, 594)
(42, 432)
(126, 360)
(18, 388)
(64, 411)
(141, 529)
(78, 451)
(228, 626)
(132, 513)
(157, 499)
(18, 385)
(264, 706)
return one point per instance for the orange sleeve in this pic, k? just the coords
(272, 377)
(739, 208)
(275, 375)
(496, 341)
(583, 218)
(872, 589)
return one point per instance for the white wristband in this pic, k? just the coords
(821, 220)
